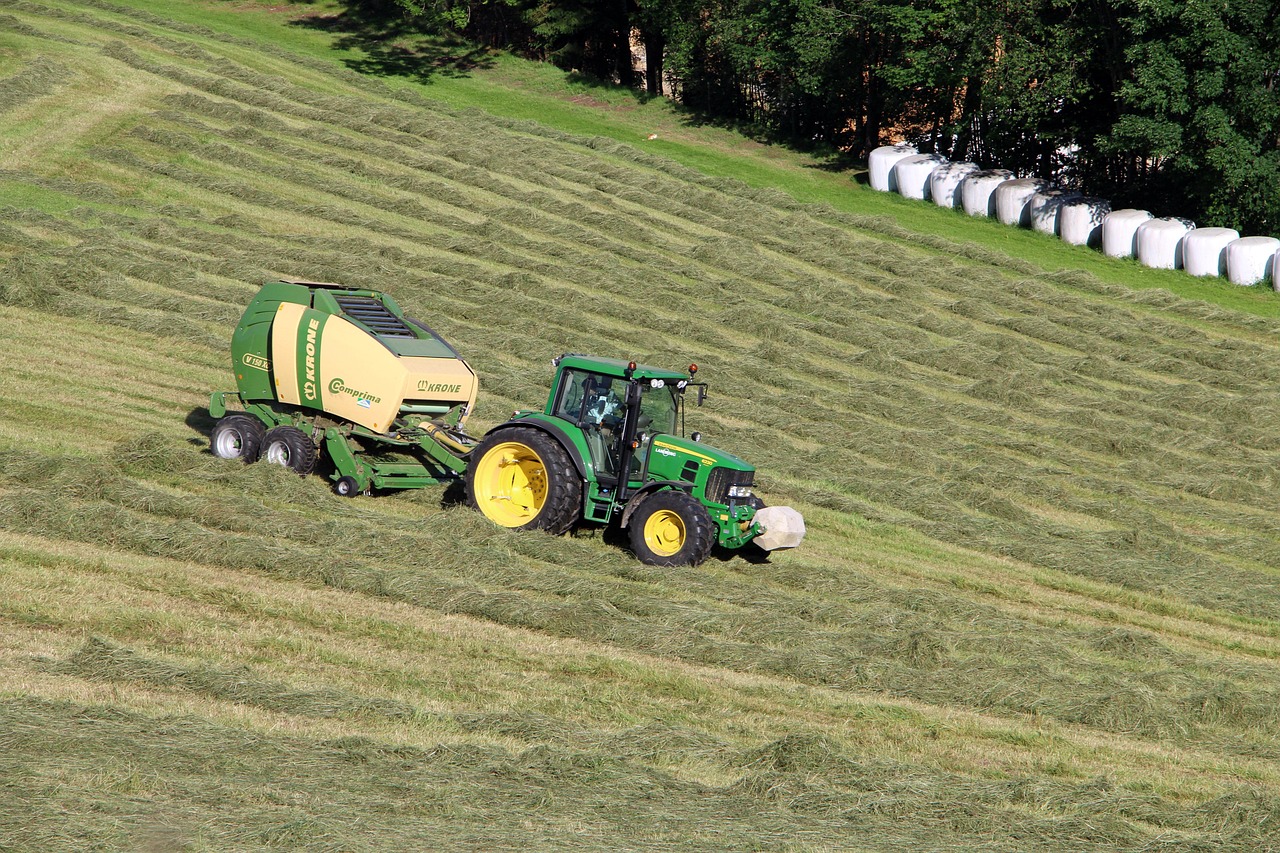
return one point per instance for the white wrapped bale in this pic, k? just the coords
(1046, 209)
(977, 191)
(1204, 250)
(783, 528)
(1160, 242)
(1252, 259)
(1119, 230)
(912, 174)
(1080, 221)
(945, 181)
(881, 162)
(1013, 201)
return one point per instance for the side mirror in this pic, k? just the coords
(702, 394)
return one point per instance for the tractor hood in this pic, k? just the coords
(672, 457)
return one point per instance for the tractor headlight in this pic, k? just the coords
(739, 491)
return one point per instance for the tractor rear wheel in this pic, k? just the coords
(522, 477)
(237, 436)
(290, 447)
(671, 528)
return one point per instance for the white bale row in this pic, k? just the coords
(1164, 243)
(1013, 201)
(1251, 260)
(977, 191)
(1160, 242)
(1046, 209)
(1204, 251)
(912, 175)
(1120, 230)
(881, 162)
(1080, 221)
(945, 181)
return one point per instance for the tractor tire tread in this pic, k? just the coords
(700, 532)
(564, 487)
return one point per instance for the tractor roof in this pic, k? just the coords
(617, 367)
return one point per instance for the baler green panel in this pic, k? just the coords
(251, 341)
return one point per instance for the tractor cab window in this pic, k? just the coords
(591, 400)
(658, 408)
(597, 404)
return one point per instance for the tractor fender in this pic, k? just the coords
(555, 432)
(648, 489)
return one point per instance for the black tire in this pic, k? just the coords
(346, 487)
(671, 528)
(237, 436)
(522, 478)
(290, 447)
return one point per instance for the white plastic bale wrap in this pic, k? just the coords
(1160, 242)
(1080, 221)
(1013, 200)
(1046, 209)
(912, 174)
(783, 528)
(1119, 230)
(1204, 250)
(978, 191)
(881, 162)
(945, 181)
(1252, 259)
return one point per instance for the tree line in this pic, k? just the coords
(1169, 105)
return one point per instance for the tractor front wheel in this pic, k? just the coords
(290, 447)
(671, 528)
(522, 477)
(237, 436)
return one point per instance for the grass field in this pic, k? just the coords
(1038, 606)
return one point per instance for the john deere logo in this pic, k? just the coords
(257, 362)
(337, 386)
(438, 387)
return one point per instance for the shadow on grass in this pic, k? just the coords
(393, 46)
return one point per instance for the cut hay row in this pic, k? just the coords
(813, 641)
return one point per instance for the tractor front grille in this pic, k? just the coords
(720, 479)
(375, 315)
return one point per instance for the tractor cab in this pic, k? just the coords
(618, 407)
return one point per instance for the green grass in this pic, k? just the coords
(1037, 607)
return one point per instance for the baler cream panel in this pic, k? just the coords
(361, 378)
(284, 347)
(447, 381)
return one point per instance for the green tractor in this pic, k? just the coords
(323, 369)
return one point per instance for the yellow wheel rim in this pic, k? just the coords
(511, 484)
(664, 533)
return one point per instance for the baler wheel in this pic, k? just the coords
(522, 477)
(347, 487)
(237, 436)
(290, 447)
(671, 528)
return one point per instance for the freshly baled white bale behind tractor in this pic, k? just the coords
(1204, 251)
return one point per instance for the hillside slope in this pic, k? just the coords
(1038, 605)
